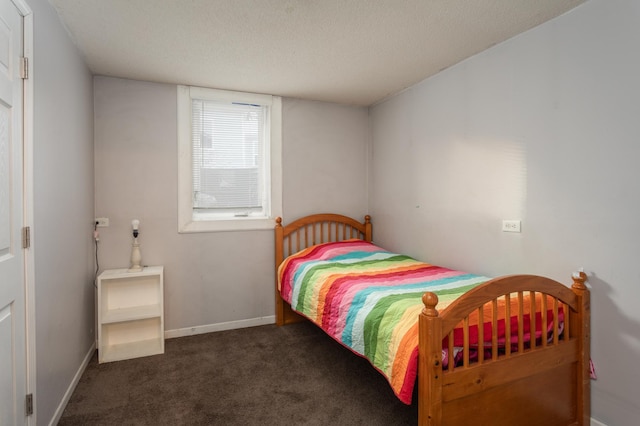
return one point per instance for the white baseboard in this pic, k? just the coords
(594, 422)
(209, 328)
(72, 386)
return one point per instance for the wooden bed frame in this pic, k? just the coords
(544, 384)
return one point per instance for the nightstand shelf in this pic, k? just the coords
(130, 313)
(135, 349)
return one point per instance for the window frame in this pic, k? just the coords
(187, 223)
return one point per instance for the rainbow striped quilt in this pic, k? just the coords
(369, 299)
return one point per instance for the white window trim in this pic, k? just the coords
(186, 222)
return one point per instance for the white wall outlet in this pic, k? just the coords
(102, 222)
(510, 226)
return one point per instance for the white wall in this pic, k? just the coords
(220, 277)
(63, 205)
(325, 159)
(543, 128)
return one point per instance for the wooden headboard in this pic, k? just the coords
(306, 232)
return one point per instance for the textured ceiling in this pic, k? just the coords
(347, 51)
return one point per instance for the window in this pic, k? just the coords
(229, 160)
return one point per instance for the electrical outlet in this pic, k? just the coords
(510, 226)
(102, 222)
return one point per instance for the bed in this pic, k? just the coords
(509, 350)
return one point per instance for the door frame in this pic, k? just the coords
(28, 197)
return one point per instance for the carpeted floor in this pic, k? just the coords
(268, 375)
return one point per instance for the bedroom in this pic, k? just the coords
(550, 113)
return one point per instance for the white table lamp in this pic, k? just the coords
(136, 257)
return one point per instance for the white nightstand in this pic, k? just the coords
(130, 313)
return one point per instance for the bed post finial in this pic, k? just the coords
(278, 222)
(579, 279)
(430, 301)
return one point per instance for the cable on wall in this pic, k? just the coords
(96, 239)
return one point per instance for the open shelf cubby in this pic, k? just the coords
(130, 313)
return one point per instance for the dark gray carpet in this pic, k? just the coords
(268, 375)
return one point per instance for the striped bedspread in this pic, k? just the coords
(369, 299)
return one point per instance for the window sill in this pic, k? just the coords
(244, 224)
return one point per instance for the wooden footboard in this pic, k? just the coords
(542, 382)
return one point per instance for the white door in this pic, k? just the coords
(13, 351)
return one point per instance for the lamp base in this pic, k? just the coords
(136, 257)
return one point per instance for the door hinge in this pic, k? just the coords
(29, 404)
(24, 67)
(26, 237)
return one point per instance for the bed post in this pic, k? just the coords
(429, 363)
(583, 324)
(279, 251)
(367, 229)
